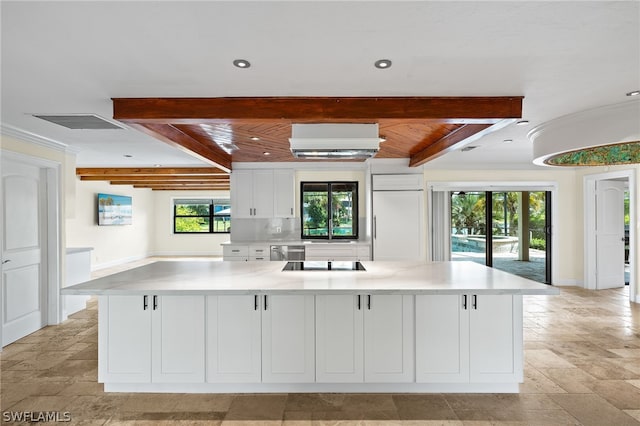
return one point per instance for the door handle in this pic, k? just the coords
(291, 211)
(265, 302)
(155, 302)
(255, 302)
(359, 306)
(474, 302)
(145, 302)
(369, 302)
(464, 302)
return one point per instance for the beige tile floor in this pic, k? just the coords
(582, 366)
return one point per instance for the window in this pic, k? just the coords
(329, 210)
(201, 216)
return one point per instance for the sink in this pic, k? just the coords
(324, 266)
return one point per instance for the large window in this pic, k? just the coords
(201, 216)
(329, 210)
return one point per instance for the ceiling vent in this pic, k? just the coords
(344, 141)
(79, 121)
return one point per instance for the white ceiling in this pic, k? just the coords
(72, 57)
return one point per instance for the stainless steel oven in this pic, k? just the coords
(295, 253)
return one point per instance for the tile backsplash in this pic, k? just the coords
(274, 229)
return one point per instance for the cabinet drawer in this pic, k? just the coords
(259, 251)
(229, 251)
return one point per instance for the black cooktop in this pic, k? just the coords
(323, 266)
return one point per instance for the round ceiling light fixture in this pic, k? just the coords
(241, 63)
(254, 138)
(266, 153)
(634, 93)
(383, 63)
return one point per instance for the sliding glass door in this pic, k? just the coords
(518, 240)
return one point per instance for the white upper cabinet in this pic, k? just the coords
(284, 193)
(262, 193)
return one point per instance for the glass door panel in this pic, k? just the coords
(468, 226)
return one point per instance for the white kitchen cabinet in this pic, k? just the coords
(124, 339)
(259, 252)
(288, 329)
(262, 193)
(363, 252)
(337, 251)
(468, 338)
(237, 253)
(364, 338)
(339, 339)
(158, 339)
(284, 193)
(233, 339)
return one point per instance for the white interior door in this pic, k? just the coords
(23, 286)
(609, 234)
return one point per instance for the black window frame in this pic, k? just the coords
(211, 216)
(354, 211)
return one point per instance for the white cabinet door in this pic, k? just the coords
(124, 339)
(398, 225)
(288, 328)
(233, 339)
(177, 339)
(242, 194)
(339, 339)
(388, 339)
(284, 193)
(495, 339)
(263, 193)
(442, 339)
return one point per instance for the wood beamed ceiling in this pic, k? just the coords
(221, 131)
(225, 130)
(159, 178)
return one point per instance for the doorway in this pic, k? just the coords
(507, 230)
(609, 209)
(29, 216)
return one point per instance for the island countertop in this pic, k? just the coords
(216, 277)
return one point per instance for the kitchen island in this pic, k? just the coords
(254, 327)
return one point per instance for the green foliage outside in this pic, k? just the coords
(468, 215)
(316, 211)
(195, 218)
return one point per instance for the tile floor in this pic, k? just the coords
(582, 366)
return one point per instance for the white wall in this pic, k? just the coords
(112, 245)
(166, 243)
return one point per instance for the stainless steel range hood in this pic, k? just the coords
(347, 141)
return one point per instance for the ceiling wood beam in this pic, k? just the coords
(150, 171)
(162, 178)
(198, 110)
(181, 188)
(446, 144)
(169, 134)
(170, 182)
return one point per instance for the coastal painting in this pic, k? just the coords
(114, 209)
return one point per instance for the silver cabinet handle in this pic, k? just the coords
(291, 211)
(375, 227)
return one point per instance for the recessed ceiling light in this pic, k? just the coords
(634, 93)
(507, 141)
(157, 165)
(254, 138)
(266, 153)
(241, 63)
(383, 63)
(382, 138)
(522, 123)
(128, 155)
(469, 148)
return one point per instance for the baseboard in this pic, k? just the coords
(117, 262)
(185, 253)
(568, 283)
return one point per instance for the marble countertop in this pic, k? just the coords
(216, 277)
